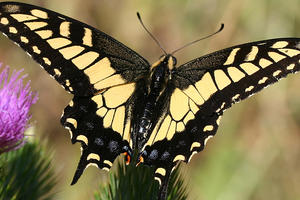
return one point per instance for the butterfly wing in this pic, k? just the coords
(102, 124)
(91, 65)
(200, 90)
(81, 58)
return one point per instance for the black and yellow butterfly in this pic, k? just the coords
(122, 104)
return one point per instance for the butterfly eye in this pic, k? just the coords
(174, 61)
(171, 62)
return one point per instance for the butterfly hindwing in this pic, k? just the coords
(102, 124)
(81, 58)
(181, 131)
(203, 88)
(100, 145)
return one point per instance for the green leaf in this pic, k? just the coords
(131, 182)
(26, 174)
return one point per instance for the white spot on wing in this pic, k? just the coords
(36, 50)
(221, 79)
(280, 44)
(35, 25)
(290, 52)
(264, 62)
(24, 39)
(59, 42)
(47, 61)
(290, 67)
(276, 73)
(276, 56)
(231, 56)
(13, 30)
(39, 13)
(57, 72)
(252, 55)
(4, 21)
(263, 80)
(44, 34)
(23, 17)
(64, 29)
(208, 128)
(92, 164)
(87, 38)
(248, 89)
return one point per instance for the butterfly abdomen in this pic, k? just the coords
(158, 81)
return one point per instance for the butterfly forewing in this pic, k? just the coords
(82, 59)
(222, 78)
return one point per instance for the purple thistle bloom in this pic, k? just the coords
(15, 102)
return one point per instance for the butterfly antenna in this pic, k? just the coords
(193, 42)
(156, 41)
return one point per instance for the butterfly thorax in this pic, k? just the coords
(158, 80)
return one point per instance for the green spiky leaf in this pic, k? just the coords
(130, 182)
(26, 174)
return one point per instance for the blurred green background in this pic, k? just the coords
(256, 153)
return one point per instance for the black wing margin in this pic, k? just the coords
(81, 58)
(206, 86)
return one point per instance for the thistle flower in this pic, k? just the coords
(15, 102)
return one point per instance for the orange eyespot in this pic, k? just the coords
(127, 158)
(141, 160)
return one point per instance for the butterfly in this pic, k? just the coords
(124, 105)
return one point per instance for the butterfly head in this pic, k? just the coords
(171, 60)
(165, 60)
